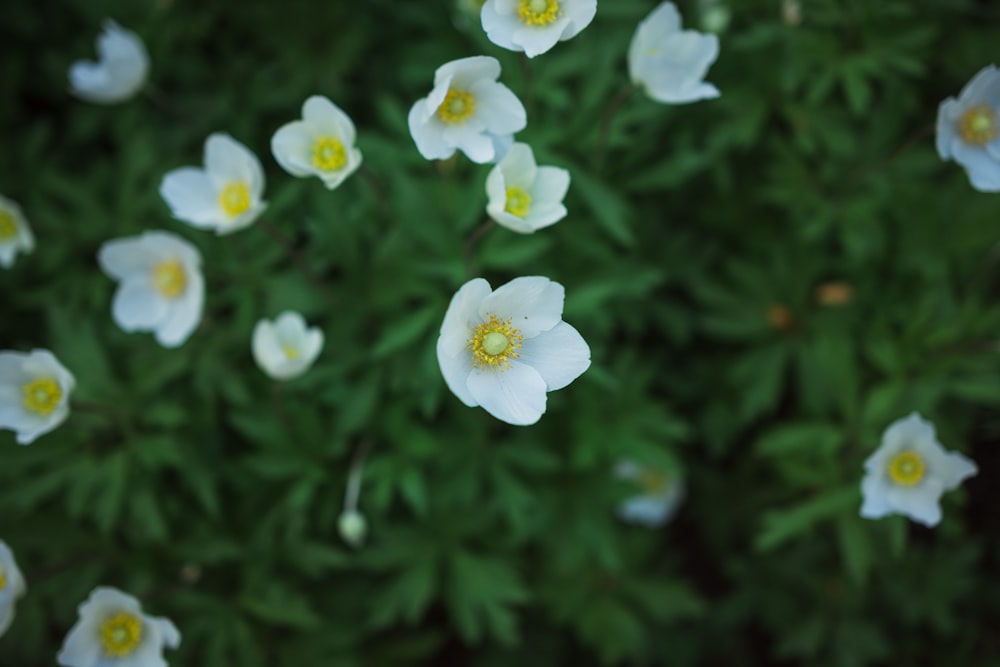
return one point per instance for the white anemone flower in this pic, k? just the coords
(112, 631)
(534, 26)
(504, 349)
(119, 73)
(225, 195)
(34, 393)
(15, 235)
(285, 348)
(659, 498)
(909, 471)
(670, 63)
(522, 196)
(161, 288)
(968, 129)
(467, 110)
(321, 144)
(12, 586)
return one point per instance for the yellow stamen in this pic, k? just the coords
(234, 198)
(906, 468)
(458, 107)
(42, 396)
(653, 482)
(121, 634)
(494, 343)
(290, 352)
(8, 228)
(538, 12)
(979, 125)
(3, 578)
(169, 278)
(518, 201)
(328, 154)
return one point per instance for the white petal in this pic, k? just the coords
(456, 366)
(519, 167)
(227, 160)
(327, 116)
(122, 258)
(291, 146)
(551, 184)
(536, 41)
(946, 133)
(580, 14)
(544, 215)
(192, 197)
(516, 395)
(499, 109)
(477, 146)
(560, 355)
(533, 303)
(428, 135)
(136, 306)
(184, 314)
(460, 319)
(465, 71)
(955, 469)
(919, 503)
(874, 491)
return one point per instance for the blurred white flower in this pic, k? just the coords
(15, 235)
(120, 72)
(285, 348)
(968, 129)
(909, 471)
(11, 586)
(321, 144)
(522, 196)
(112, 631)
(659, 498)
(161, 288)
(534, 26)
(225, 195)
(467, 110)
(670, 63)
(34, 393)
(505, 349)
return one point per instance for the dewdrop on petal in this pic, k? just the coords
(12, 586)
(522, 196)
(968, 129)
(321, 144)
(534, 26)
(113, 631)
(285, 348)
(15, 235)
(120, 71)
(34, 393)
(659, 498)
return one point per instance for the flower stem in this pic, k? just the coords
(609, 114)
(278, 404)
(353, 489)
(473, 239)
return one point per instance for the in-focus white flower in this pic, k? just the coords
(113, 631)
(660, 494)
(670, 63)
(118, 74)
(909, 471)
(522, 196)
(285, 348)
(161, 288)
(534, 26)
(15, 235)
(505, 349)
(34, 393)
(467, 110)
(225, 195)
(11, 586)
(968, 129)
(321, 144)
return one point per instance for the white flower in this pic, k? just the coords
(661, 494)
(11, 586)
(909, 471)
(225, 195)
(504, 349)
(15, 235)
(468, 110)
(161, 287)
(321, 144)
(112, 631)
(534, 26)
(121, 71)
(968, 129)
(522, 196)
(34, 393)
(670, 63)
(353, 527)
(285, 348)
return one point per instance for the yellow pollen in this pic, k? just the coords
(42, 396)
(169, 278)
(906, 468)
(121, 634)
(458, 107)
(290, 352)
(494, 343)
(979, 125)
(234, 198)
(653, 482)
(538, 12)
(3, 579)
(518, 201)
(328, 154)
(8, 228)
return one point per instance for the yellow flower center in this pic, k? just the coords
(653, 482)
(979, 125)
(121, 634)
(8, 228)
(3, 578)
(169, 278)
(328, 154)
(290, 352)
(234, 198)
(494, 343)
(906, 468)
(458, 107)
(538, 12)
(518, 201)
(42, 396)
